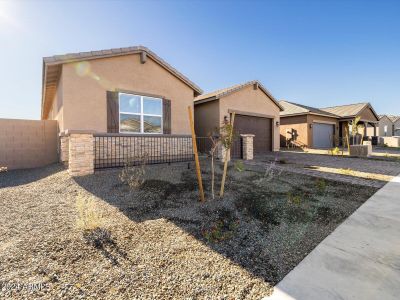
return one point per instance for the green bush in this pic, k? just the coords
(239, 166)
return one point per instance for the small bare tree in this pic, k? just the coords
(226, 135)
(215, 142)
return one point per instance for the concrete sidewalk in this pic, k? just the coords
(359, 260)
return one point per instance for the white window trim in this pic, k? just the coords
(141, 115)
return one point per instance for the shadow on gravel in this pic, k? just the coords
(20, 177)
(266, 227)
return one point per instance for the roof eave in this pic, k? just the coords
(205, 100)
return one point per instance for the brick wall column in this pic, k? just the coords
(81, 154)
(247, 144)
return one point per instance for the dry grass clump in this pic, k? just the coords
(89, 217)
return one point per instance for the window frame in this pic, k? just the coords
(141, 114)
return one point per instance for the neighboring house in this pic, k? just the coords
(127, 90)
(256, 112)
(305, 126)
(389, 125)
(385, 126)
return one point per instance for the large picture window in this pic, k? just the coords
(140, 114)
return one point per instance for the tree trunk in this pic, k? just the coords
(212, 176)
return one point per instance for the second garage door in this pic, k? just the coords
(260, 127)
(322, 135)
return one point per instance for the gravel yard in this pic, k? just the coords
(159, 242)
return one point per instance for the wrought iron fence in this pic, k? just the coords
(204, 145)
(116, 150)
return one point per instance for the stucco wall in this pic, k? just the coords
(298, 124)
(27, 144)
(84, 87)
(252, 101)
(206, 118)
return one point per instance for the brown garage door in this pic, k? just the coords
(260, 127)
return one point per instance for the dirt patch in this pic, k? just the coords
(159, 241)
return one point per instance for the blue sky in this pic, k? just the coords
(318, 53)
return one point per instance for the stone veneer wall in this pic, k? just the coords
(247, 146)
(81, 154)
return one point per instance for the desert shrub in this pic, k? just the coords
(134, 171)
(321, 185)
(294, 199)
(334, 151)
(271, 171)
(89, 217)
(239, 166)
(3, 169)
(222, 229)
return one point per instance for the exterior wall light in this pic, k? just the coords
(311, 126)
(277, 123)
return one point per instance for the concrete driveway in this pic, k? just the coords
(359, 260)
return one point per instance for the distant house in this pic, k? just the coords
(389, 125)
(257, 113)
(310, 127)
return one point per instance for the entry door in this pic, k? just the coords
(260, 127)
(323, 135)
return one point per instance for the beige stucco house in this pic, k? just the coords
(256, 113)
(112, 106)
(310, 127)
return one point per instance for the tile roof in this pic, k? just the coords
(291, 108)
(226, 91)
(345, 111)
(393, 118)
(342, 111)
